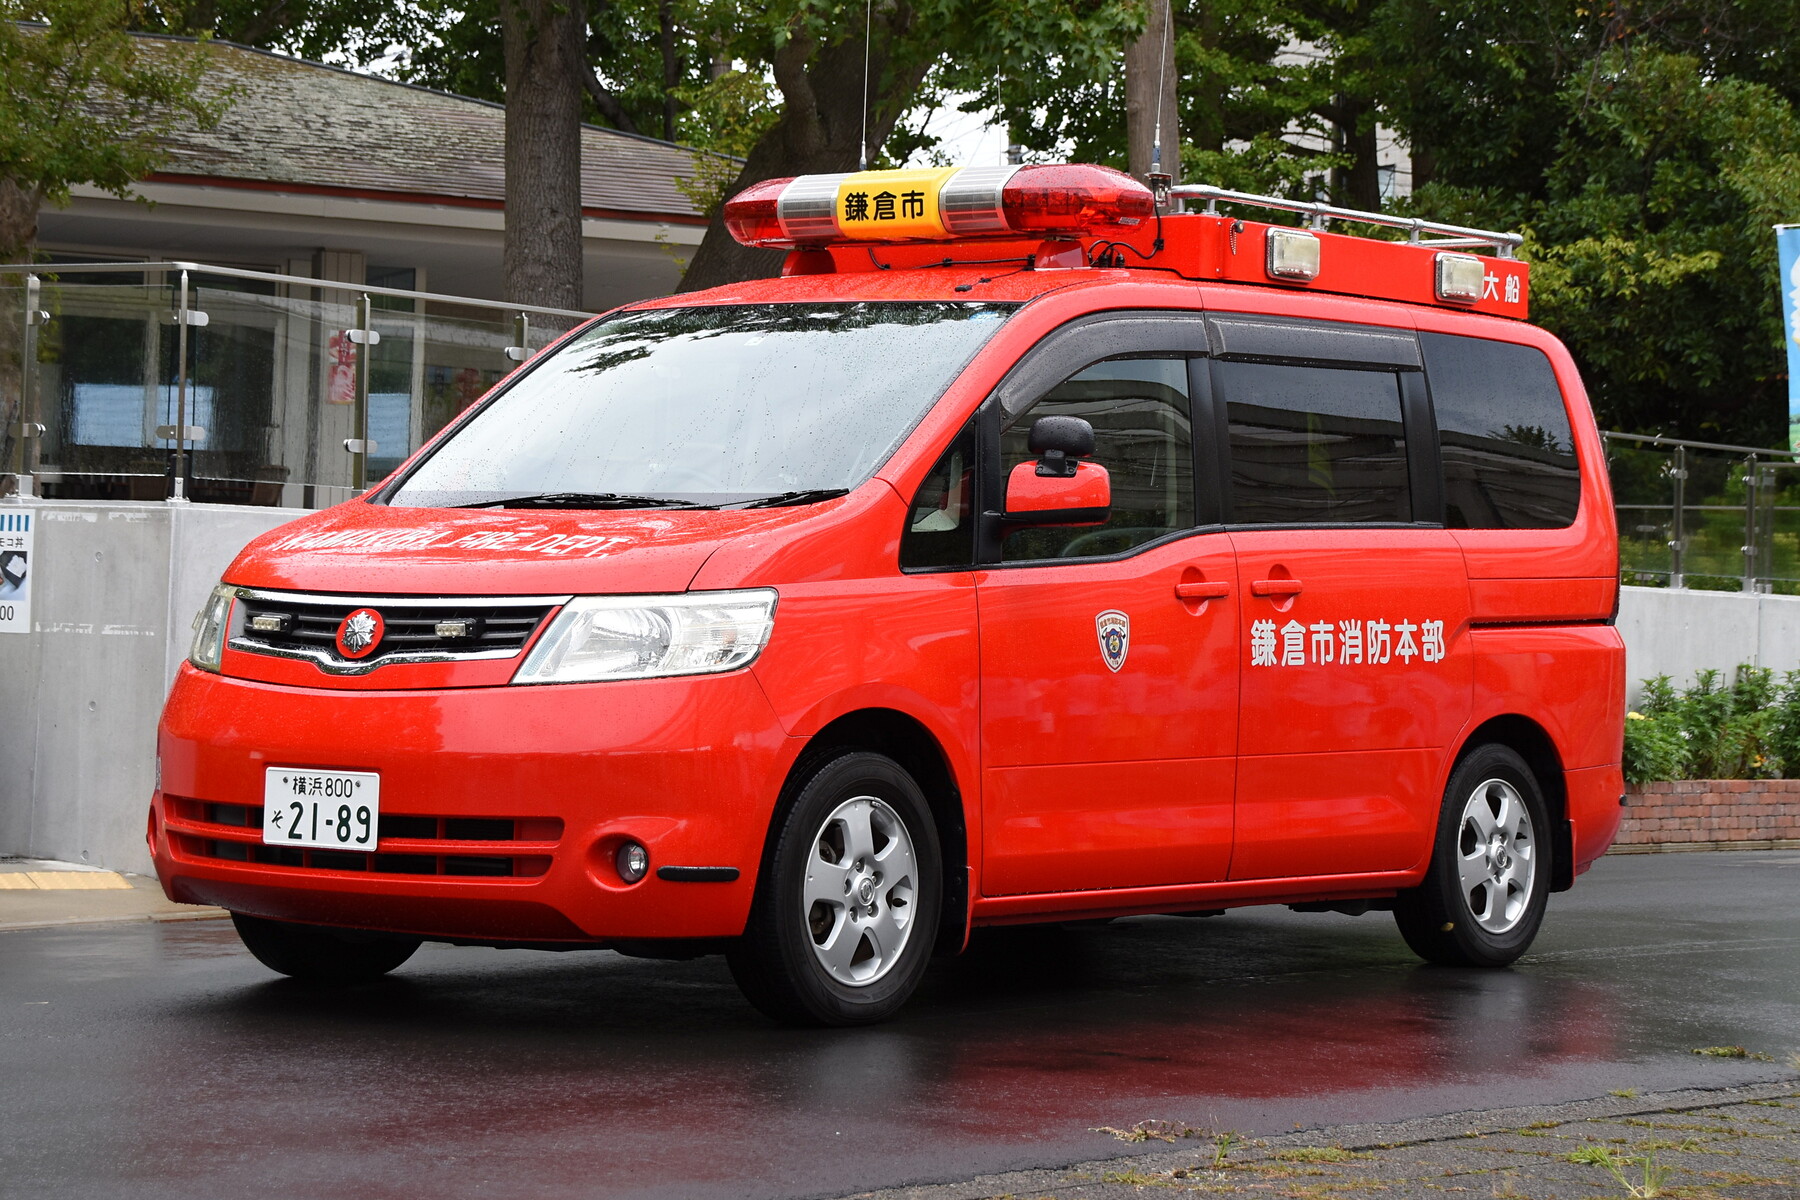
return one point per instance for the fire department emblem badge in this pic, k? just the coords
(1114, 628)
(360, 633)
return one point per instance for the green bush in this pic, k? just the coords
(1654, 749)
(1748, 729)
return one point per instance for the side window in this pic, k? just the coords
(1314, 445)
(1503, 433)
(940, 527)
(1143, 436)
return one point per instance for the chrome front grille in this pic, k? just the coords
(417, 629)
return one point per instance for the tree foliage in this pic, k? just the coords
(1644, 145)
(816, 53)
(82, 102)
(1646, 149)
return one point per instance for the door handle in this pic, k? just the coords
(1202, 591)
(1275, 587)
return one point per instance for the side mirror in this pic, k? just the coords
(1058, 489)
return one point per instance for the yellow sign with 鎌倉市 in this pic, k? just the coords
(891, 205)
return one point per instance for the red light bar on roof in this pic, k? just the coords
(939, 204)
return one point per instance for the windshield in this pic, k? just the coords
(683, 407)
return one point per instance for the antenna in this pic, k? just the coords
(1159, 180)
(862, 158)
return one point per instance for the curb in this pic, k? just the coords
(210, 914)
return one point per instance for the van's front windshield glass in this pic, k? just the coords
(692, 407)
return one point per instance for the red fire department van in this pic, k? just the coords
(1020, 554)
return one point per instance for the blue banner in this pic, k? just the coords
(1787, 242)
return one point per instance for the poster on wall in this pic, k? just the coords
(1787, 245)
(15, 571)
(340, 369)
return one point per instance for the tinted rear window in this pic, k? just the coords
(1509, 456)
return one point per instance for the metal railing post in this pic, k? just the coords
(26, 430)
(1751, 488)
(520, 350)
(359, 419)
(1678, 527)
(178, 488)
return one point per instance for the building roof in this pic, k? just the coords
(302, 125)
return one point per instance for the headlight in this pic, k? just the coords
(645, 637)
(209, 628)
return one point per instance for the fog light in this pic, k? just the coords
(633, 862)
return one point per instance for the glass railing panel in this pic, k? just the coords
(274, 378)
(1644, 498)
(1715, 517)
(102, 388)
(427, 369)
(12, 374)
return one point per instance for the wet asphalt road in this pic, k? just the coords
(161, 1060)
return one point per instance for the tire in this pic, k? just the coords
(846, 911)
(321, 955)
(1484, 894)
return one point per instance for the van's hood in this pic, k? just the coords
(371, 549)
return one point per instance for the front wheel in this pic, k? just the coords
(319, 954)
(841, 929)
(1484, 894)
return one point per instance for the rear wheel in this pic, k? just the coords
(321, 955)
(841, 929)
(1484, 894)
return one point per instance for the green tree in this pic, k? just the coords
(81, 102)
(1654, 259)
(1646, 148)
(1274, 96)
(815, 51)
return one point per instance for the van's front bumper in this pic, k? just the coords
(516, 800)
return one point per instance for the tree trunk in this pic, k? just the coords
(18, 221)
(819, 131)
(1357, 185)
(18, 235)
(544, 43)
(1150, 86)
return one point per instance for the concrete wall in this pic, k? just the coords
(114, 591)
(1677, 632)
(116, 587)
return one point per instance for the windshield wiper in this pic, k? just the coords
(807, 496)
(586, 500)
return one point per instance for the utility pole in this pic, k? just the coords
(1149, 70)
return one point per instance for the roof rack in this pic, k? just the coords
(1458, 235)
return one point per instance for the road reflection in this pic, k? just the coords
(590, 1071)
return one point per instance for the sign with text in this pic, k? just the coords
(15, 570)
(1787, 244)
(892, 205)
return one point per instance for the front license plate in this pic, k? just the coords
(332, 810)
